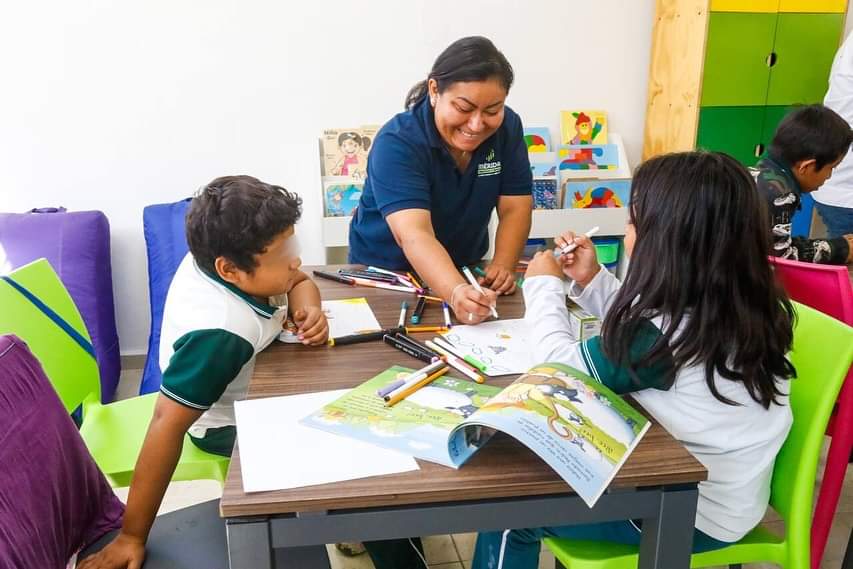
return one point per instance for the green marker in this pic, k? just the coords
(477, 364)
(479, 271)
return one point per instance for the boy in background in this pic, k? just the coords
(228, 300)
(807, 145)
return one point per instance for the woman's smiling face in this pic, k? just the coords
(467, 113)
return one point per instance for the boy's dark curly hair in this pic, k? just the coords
(237, 217)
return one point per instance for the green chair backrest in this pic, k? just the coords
(72, 371)
(822, 352)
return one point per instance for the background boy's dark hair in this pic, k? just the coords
(810, 132)
(236, 217)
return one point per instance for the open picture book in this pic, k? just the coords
(580, 428)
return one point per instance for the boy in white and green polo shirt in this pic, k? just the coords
(227, 302)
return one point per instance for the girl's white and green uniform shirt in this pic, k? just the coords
(211, 333)
(738, 443)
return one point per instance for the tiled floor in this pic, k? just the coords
(456, 551)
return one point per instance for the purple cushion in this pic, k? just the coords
(53, 498)
(77, 246)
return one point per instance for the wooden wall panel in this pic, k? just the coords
(675, 76)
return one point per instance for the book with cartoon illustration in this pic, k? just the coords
(580, 428)
(344, 151)
(583, 127)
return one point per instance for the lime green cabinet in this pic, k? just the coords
(803, 51)
(736, 70)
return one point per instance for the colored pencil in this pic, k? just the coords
(426, 329)
(456, 362)
(363, 337)
(419, 310)
(467, 272)
(407, 392)
(415, 377)
(402, 320)
(333, 277)
(406, 348)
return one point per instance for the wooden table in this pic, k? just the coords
(503, 485)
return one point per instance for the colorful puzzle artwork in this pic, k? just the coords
(591, 157)
(341, 198)
(596, 194)
(583, 127)
(537, 139)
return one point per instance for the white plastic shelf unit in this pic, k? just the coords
(546, 222)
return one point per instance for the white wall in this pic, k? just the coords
(116, 105)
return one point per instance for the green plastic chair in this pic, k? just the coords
(113, 432)
(822, 353)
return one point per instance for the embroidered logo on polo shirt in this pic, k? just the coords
(489, 168)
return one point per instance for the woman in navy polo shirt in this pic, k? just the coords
(438, 170)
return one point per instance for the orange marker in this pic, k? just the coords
(427, 329)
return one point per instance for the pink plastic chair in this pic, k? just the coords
(826, 288)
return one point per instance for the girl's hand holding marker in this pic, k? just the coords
(574, 257)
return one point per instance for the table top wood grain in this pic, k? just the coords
(502, 468)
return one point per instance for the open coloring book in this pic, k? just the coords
(581, 429)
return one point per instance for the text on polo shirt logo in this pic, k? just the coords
(489, 168)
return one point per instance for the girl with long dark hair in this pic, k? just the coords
(698, 332)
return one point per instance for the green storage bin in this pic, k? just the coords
(607, 251)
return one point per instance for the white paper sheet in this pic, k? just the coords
(345, 317)
(501, 345)
(277, 453)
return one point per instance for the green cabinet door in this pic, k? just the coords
(736, 71)
(805, 46)
(733, 130)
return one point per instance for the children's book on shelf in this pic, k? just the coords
(546, 185)
(344, 151)
(583, 127)
(341, 195)
(537, 139)
(588, 157)
(581, 429)
(590, 194)
(345, 317)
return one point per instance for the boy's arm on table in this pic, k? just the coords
(305, 307)
(154, 468)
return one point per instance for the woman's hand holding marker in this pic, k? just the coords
(471, 306)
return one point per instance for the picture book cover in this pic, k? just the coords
(341, 196)
(537, 139)
(589, 157)
(345, 150)
(583, 127)
(590, 194)
(581, 429)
